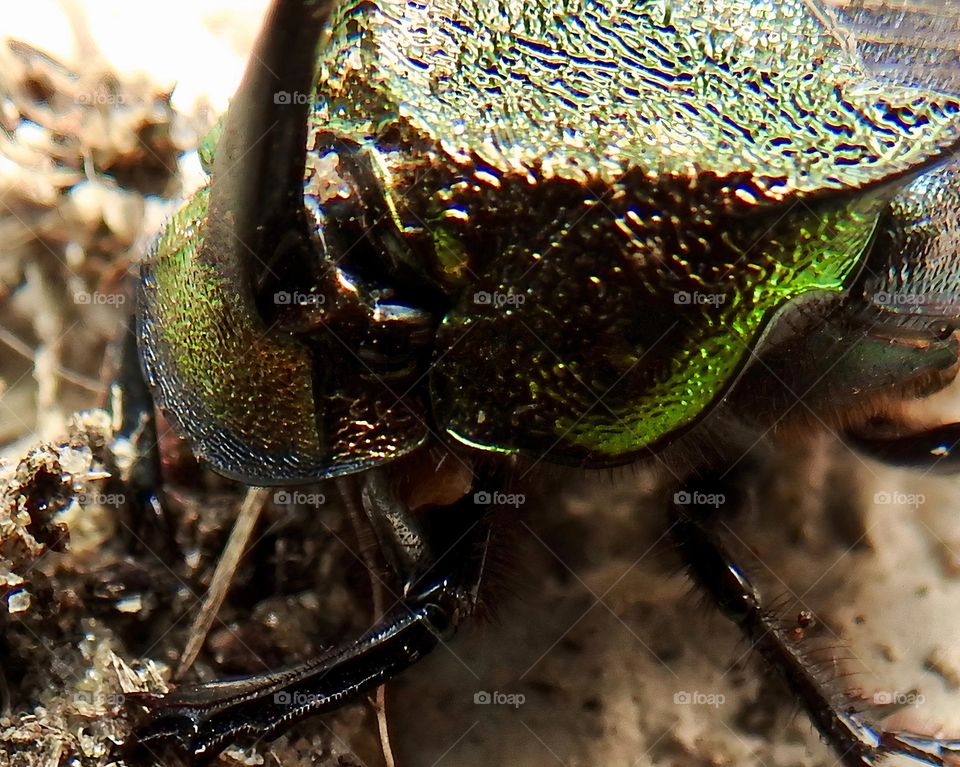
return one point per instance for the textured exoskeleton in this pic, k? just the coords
(569, 230)
(555, 228)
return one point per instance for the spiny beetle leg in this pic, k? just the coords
(714, 570)
(935, 450)
(196, 722)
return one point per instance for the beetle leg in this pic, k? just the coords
(400, 535)
(135, 420)
(936, 449)
(713, 569)
(197, 721)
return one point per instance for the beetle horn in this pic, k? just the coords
(212, 362)
(257, 175)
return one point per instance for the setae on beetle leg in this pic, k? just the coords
(710, 565)
(439, 593)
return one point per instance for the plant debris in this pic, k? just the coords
(98, 594)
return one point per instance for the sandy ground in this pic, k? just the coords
(597, 656)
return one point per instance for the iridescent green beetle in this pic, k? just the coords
(570, 230)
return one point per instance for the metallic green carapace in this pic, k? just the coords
(214, 331)
(553, 227)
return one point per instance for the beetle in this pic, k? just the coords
(589, 233)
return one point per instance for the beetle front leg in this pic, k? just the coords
(401, 536)
(936, 449)
(198, 721)
(710, 565)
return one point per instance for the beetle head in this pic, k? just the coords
(218, 339)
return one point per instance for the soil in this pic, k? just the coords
(595, 651)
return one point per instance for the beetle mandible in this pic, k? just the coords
(575, 231)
